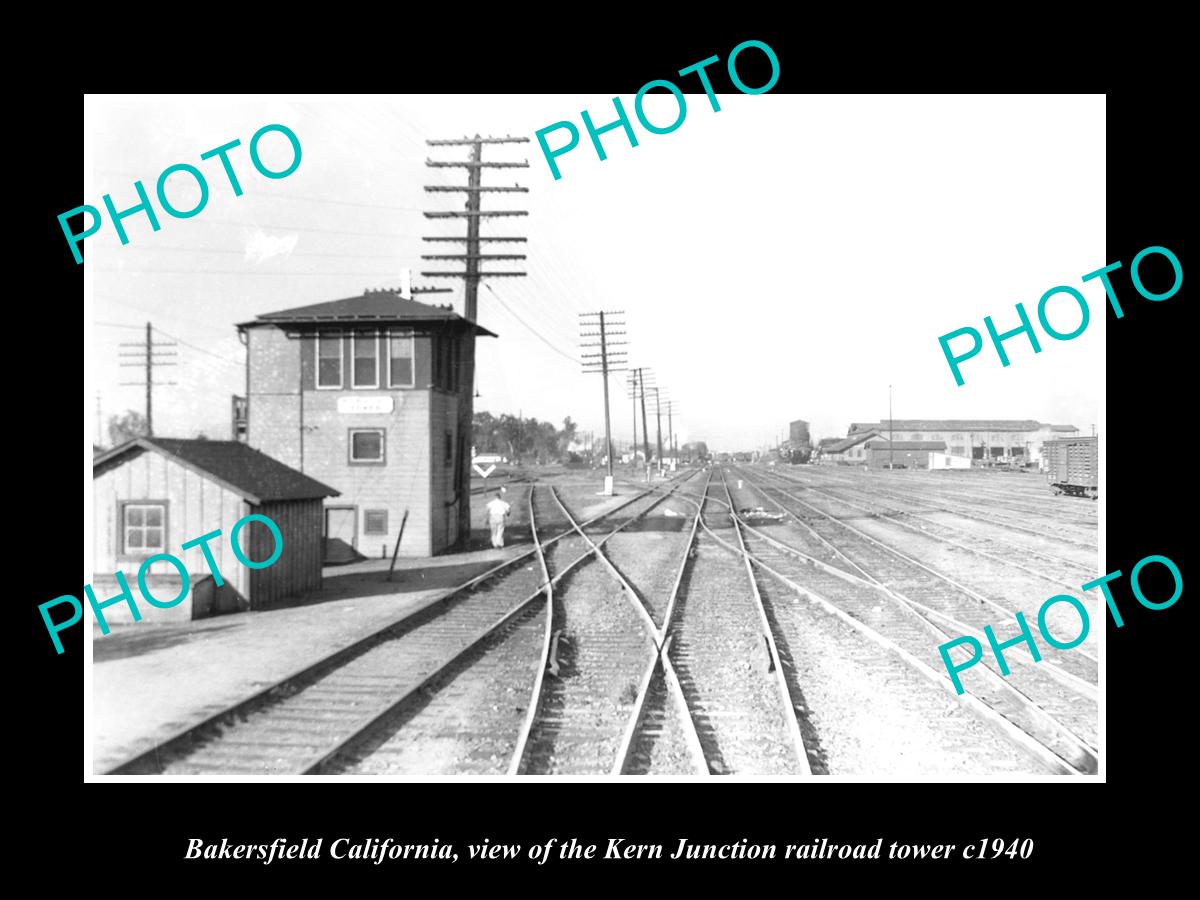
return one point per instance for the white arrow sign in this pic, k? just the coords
(482, 473)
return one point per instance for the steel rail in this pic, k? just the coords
(1080, 685)
(1006, 561)
(523, 737)
(1085, 755)
(332, 661)
(970, 592)
(785, 692)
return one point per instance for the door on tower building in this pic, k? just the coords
(341, 534)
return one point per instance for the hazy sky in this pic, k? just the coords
(787, 257)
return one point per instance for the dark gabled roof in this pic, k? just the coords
(248, 472)
(906, 445)
(1066, 428)
(373, 307)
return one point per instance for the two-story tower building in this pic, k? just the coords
(364, 394)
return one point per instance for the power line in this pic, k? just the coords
(530, 328)
(201, 349)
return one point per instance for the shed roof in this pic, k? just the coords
(248, 472)
(906, 445)
(375, 307)
(847, 443)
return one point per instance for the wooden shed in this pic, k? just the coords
(153, 494)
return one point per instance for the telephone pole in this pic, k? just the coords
(672, 408)
(148, 355)
(639, 393)
(658, 416)
(607, 360)
(891, 434)
(471, 275)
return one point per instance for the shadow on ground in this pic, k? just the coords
(144, 637)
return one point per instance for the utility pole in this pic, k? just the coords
(671, 410)
(149, 356)
(633, 395)
(607, 360)
(658, 416)
(641, 392)
(471, 274)
(891, 434)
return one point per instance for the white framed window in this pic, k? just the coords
(364, 357)
(401, 359)
(144, 528)
(329, 360)
(368, 446)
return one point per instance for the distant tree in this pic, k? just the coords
(695, 450)
(567, 435)
(125, 428)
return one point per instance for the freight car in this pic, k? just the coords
(1072, 466)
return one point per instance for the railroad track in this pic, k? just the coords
(728, 663)
(1065, 699)
(927, 505)
(877, 561)
(614, 704)
(919, 520)
(332, 715)
(1015, 501)
(938, 532)
(889, 621)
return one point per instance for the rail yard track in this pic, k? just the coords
(347, 711)
(964, 509)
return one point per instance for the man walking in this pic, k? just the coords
(498, 512)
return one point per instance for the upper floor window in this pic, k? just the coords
(914, 437)
(400, 359)
(329, 360)
(956, 437)
(365, 353)
(935, 437)
(144, 528)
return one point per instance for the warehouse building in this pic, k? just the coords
(851, 450)
(996, 440)
(368, 394)
(153, 494)
(909, 454)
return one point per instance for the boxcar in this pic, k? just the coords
(1073, 466)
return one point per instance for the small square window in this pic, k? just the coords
(367, 445)
(375, 521)
(143, 528)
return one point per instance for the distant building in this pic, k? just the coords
(1014, 440)
(849, 450)
(154, 494)
(366, 394)
(910, 454)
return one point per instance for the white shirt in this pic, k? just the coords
(497, 509)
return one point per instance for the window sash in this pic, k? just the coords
(358, 341)
(397, 339)
(377, 432)
(324, 341)
(144, 528)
